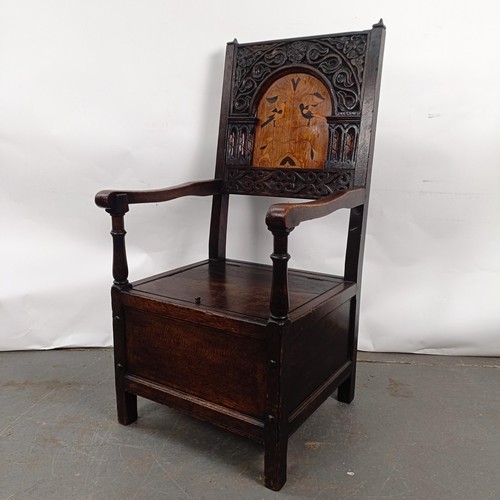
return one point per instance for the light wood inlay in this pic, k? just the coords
(292, 130)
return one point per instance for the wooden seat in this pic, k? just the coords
(250, 347)
(238, 288)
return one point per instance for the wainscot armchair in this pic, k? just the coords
(256, 348)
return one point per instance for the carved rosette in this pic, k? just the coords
(284, 182)
(339, 59)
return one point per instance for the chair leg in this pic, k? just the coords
(346, 389)
(275, 463)
(126, 404)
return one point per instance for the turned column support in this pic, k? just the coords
(120, 266)
(279, 303)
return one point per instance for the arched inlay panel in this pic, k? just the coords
(292, 131)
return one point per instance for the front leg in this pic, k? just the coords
(125, 401)
(275, 457)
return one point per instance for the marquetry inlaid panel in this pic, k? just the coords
(292, 131)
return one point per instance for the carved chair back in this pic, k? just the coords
(297, 115)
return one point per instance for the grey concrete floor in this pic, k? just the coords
(420, 427)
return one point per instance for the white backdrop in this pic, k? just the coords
(126, 94)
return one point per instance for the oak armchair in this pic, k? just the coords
(250, 347)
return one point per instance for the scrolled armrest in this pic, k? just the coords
(109, 199)
(286, 216)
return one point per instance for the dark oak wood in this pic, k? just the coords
(110, 198)
(255, 348)
(289, 215)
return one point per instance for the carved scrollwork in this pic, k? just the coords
(340, 59)
(293, 183)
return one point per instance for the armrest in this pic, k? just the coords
(109, 199)
(286, 216)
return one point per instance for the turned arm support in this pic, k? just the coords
(117, 203)
(108, 199)
(286, 216)
(281, 219)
